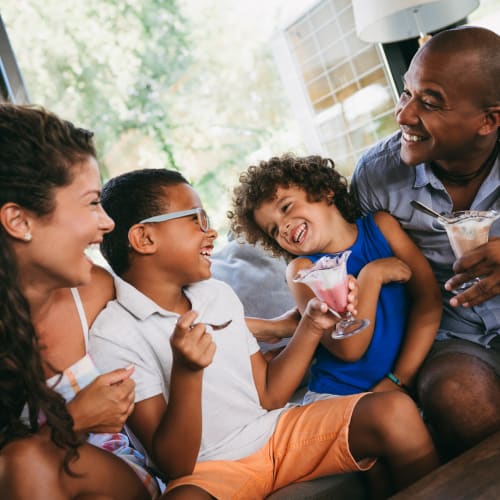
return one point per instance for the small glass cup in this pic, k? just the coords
(329, 281)
(466, 230)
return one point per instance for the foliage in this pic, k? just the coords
(230, 106)
(188, 84)
(101, 63)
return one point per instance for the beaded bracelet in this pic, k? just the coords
(398, 382)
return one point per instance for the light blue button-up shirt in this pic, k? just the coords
(381, 181)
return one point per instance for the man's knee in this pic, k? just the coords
(456, 379)
(460, 396)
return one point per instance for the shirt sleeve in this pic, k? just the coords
(362, 188)
(236, 305)
(110, 352)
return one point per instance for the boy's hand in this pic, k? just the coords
(318, 313)
(319, 317)
(192, 345)
(387, 270)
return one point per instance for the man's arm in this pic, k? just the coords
(425, 299)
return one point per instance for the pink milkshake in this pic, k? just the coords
(336, 296)
(329, 282)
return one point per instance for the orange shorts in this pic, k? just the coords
(308, 442)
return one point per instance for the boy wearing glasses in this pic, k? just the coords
(209, 408)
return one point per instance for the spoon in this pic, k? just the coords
(214, 326)
(426, 210)
(335, 313)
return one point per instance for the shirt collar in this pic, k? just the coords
(136, 302)
(424, 175)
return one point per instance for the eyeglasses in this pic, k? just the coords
(203, 220)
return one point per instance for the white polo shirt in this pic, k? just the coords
(134, 330)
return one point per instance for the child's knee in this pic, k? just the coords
(391, 415)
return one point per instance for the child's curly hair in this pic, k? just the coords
(315, 175)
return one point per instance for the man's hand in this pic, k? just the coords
(482, 262)
(105, 404)
(388, 270)
(386, 385)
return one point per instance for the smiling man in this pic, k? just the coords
(446, 156)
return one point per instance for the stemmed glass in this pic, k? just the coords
(329, 281)
(466, 230)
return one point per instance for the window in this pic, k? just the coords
(347, 92)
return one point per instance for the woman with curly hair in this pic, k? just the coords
(52, 399)
(300, 208)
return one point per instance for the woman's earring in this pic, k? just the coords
(27, 237)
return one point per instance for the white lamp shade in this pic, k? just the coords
(383, 21)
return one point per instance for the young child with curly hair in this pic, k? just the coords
(300, 208)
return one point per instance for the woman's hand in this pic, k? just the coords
(105, 404)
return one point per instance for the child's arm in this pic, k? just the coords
(277, 379)
(371, 278)
(352, 348)
(171, 433)
(425, 299)
(274, 329)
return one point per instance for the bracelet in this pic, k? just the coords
(396, 380)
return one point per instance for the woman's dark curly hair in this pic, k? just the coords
(258, 184)
(38, 153)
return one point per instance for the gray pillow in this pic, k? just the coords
(257, 277)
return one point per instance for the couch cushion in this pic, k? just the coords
(338, 487)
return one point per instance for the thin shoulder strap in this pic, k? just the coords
(83, 318)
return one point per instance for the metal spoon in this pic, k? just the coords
(335, 313)
(426, 210)
(214, 326)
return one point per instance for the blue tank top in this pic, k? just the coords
(332, 375)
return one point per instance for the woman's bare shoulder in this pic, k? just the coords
(97, 293)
